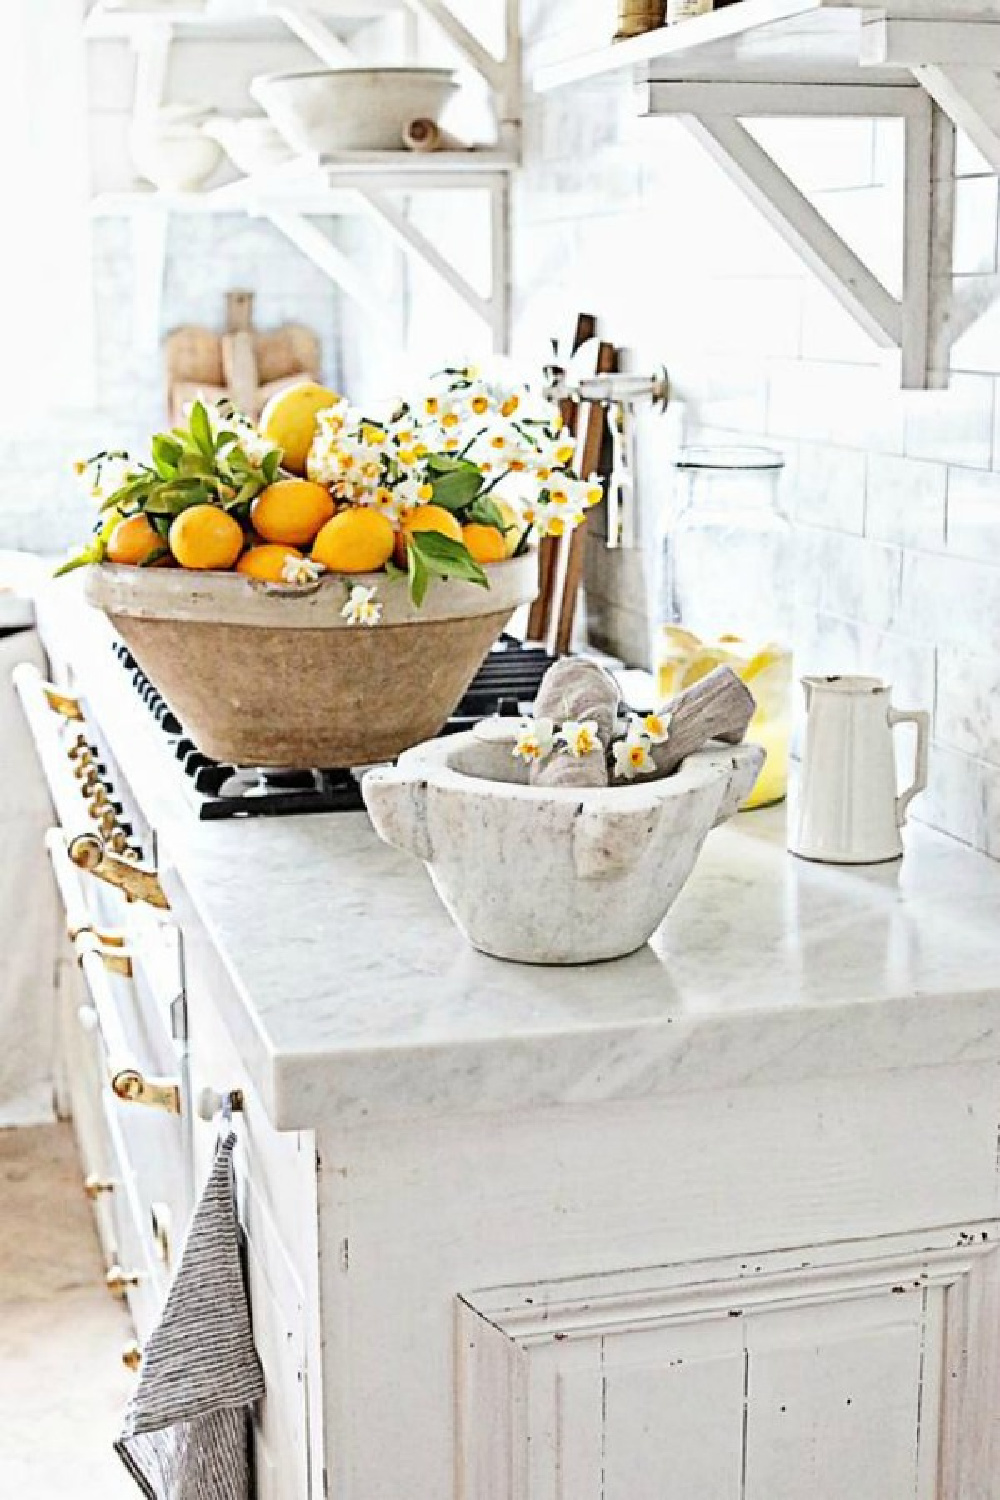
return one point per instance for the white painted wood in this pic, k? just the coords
(909, 43)
(829, 1381)
(152, 56)
(971, 98)
(501, 265)
(415, 244)
(918, 240)
(863, 100)
(303, 23)
(440, 14)
(318, 248)
(791, 214)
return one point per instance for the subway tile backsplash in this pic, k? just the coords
(895, 495)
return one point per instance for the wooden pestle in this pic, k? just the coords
(716, 707)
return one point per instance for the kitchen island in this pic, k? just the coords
(716, 1220)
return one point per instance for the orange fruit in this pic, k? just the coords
(485, 543)
(291, 511)
(357, 540)
(266, 561)
(425, 518)
(133, 540)
(206, 536)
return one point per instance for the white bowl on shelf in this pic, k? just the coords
(171, 150)
(253, 143)
(352, 109)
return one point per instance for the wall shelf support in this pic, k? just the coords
(711, 112)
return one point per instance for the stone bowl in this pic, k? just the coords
(327, 111)
(552, 875)
(270, 675)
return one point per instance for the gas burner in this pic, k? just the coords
(505, 684)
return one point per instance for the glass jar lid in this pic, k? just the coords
(730, 459)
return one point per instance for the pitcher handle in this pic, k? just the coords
(922, 719)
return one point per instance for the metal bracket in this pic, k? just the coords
(711, 110)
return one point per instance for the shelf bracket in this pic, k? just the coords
(957, 65)
(310, 30)
(710, 112)
(502, 74)
(317, 247)
(414, 243)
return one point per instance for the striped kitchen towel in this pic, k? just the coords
(185, 1435)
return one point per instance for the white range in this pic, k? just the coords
(719, 1221)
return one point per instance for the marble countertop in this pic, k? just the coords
(354, 997)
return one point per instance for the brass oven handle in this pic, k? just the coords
(78, 917)
(113, 955)
(128, 1082)
(89, 852)
(62, 703)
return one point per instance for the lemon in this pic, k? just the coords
(289, 420)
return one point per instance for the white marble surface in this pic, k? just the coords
(353, 996)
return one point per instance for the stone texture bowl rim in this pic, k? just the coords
(434, 760)
(229, 598)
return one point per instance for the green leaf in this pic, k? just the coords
(522, 545)
(201, 430)
(269, 467)
(488, 512)
(418, 574)
(166, 455)
(155, 556)
(458, 488)
(445, 558)
(224, 439)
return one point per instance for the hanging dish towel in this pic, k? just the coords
(186, 1430)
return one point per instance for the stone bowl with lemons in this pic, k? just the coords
(320, 588)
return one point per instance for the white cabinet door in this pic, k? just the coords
(857, 1373)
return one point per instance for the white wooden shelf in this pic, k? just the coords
(766, 58)
(372, 182)
(222, 18)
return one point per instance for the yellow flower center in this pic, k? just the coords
(479, 405)
(653, 724)
(425, 492)
(449, 419)
(564, 453)
(431, 405)
(497, 442)
(636, 756)
(509, 407)
(556, 526)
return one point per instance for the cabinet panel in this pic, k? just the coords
(846, 1372)
(833, 1406)
(676, 1427)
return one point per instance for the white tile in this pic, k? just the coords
(968, 703)
(856, 579)
(820, 154)
(974, 514)
(953, 426)
(955, 799)
(828, 488)
(975, 245)
(906, 501)
(950, 601)
(850, 406)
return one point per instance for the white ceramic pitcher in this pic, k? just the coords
(849, 811)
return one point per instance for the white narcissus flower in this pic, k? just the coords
(534, 740)
(632, 758)
(580, 736)
(300, 570)
(361, 607)
(654, 727)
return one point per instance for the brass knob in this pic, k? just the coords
(97, 802)
(132, 1357)
(107, 821)
(118, 1280)
(133, 1087)
(91, 782)
(94, 1186)
(78, 744)
(84, 761)
(117, 842)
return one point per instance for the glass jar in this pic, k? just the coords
(725, 591)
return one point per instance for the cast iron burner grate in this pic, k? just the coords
(505, 684)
